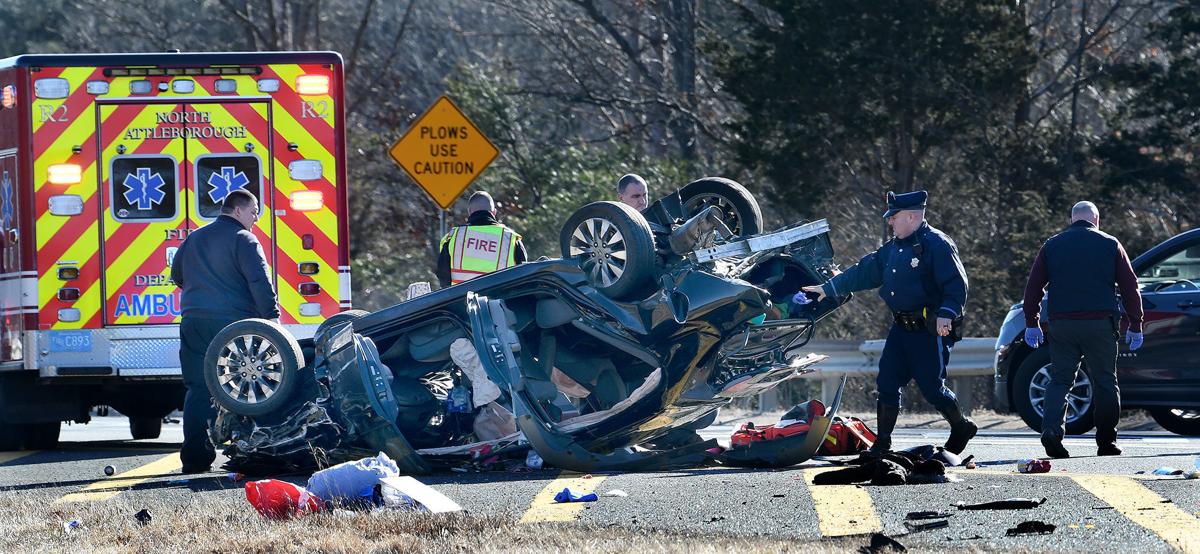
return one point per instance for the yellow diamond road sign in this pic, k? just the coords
(443, 152)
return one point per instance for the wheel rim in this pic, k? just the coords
(729, 214)
(250, 369)
(600, 247)
(1187, 415)
(1079, 398)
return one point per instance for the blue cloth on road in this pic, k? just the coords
(567, 496)
(1033, 337)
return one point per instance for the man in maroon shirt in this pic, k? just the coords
(1077, 270)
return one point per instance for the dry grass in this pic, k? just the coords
(29, 522)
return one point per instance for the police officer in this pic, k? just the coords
(633, 192)
(223, 274)
(481, 246)
(922, 281)
(1081, 265)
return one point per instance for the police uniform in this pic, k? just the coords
(920, 278)
(480, 247)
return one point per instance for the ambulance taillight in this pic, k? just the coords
(64, 174)
(312, 85)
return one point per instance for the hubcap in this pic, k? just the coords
(600, 247)
(250, 369)
(728, 214)
(1079, 398)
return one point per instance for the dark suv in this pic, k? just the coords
(1163, 376)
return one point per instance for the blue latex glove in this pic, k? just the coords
(567, 496)
(1033, 337)
(800, 299)
(1134, 340)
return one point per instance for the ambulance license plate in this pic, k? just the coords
(70, 341)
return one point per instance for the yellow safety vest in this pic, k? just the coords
(480, 249)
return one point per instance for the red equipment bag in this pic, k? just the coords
(795, 422)
(847, 435)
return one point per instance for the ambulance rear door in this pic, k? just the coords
(167, 167)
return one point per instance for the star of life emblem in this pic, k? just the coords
(915, 262)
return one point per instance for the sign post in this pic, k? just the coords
(443, 152)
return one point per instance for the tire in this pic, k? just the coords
(340, 317)
(599, 235)
(1178, 421)
(145, 427)
(238, 387)
(739, 209)
(42, 436)
(1029, 387)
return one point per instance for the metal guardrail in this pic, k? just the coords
(970, 357)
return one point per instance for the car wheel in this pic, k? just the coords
(614, 246)
(1178, 421)
(340, 317)
(739, 209)
(145, 427)
(251, 367)
(1029, 395)
(42, 436)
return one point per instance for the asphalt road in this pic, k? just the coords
(1097, 504)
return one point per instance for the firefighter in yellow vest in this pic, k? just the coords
(481, 246)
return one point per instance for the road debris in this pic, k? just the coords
(72, 525)
(1033, 466)
(937, 524)
(352, 482)
(404, 491)
(143, 517)
(882, 543)
(617, 493)
(274, 499)
(1033, 527)
(110, 470)
(928, 514)
(567, 496)
(1167, 471)
(533, 460)
(921, 465)
(1007, 504)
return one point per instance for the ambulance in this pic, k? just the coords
(107, 162)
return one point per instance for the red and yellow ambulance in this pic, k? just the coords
(107, 162)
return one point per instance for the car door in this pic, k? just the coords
(1169, 360)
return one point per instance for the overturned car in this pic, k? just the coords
(601, 360)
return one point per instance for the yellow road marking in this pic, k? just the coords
(543, 507)
(1146, 508)
(109, 488)
(6, 457)
(842, 509)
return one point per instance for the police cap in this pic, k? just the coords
(908, 201)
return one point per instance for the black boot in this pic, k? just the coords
(1054, 446)
(962, 429)
(883, 435)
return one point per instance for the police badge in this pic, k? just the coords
(915, 262)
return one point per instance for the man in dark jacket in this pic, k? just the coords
(1080, 270)
(224, 277)
(922, 281)
(480, 247)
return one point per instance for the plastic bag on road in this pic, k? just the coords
(280, 499)
(352, 482)
(567, 496)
